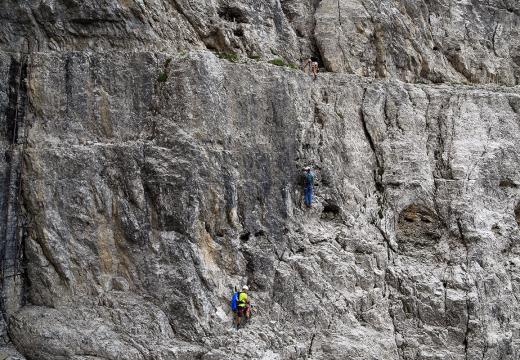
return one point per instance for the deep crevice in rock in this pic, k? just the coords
(17, 96)
(309, 351)
(233, 14)
(13, 227)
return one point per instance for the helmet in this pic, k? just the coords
(307, 168)
(245, 287)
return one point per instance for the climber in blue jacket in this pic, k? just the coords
(309, 183)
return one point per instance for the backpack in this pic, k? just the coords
(234, 301)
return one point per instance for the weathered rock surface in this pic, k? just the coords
(437, 41)
(148, 200)
(9, 353)
(143, 177)
(415, 41)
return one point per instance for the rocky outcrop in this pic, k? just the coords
(153, 183)
(432, 41)
(415, 41)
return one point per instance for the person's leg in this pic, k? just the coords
(239, 315)
(306, 196)
(309, 196)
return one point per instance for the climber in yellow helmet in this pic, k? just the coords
(243, 307)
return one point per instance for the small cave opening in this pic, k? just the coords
(517, 214)
(507, 183)
(330, 210)
(233, 14)
(245, 236)
(238, 32)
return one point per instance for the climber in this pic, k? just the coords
(312, 62)
(309, 182)
(243, 306)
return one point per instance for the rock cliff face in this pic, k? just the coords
(144, 177)
(415, 41)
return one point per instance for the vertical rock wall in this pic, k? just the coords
(150, 196)
(144, 176)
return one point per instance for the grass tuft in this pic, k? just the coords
(229, 56)
(281, 62)
(162, 77)
(277, 62)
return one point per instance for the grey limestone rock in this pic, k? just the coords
(433, 41)
(144, 177)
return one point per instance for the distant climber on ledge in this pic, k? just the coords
(312, 62)
(308, 186)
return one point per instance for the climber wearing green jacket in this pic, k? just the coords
(243, 308)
